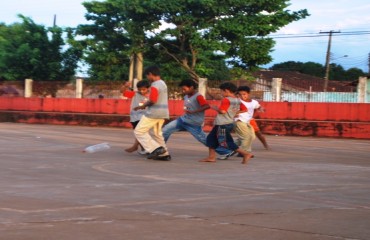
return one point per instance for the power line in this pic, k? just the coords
(314, 35)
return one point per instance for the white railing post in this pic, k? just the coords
(79, 88)
(28, 88)
(361, 89)
(367, 97)
(202, 86)
(276, 89)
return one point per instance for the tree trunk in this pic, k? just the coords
(136, 67)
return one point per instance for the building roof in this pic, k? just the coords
(303, 82)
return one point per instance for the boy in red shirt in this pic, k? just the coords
(220, 134)
(138, 98)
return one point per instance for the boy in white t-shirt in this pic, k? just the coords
(252, 105)
(243, 129)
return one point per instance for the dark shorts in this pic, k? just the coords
(134, 124)
(220, 135)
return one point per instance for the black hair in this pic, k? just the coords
(244, 88)
(143, 83)
(228, 86)
(153, 70)
(188, 83)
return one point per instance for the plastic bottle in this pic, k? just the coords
(97, 148)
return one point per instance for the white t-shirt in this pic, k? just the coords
(247, 116)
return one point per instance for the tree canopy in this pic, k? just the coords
(187, 32)
(336, 72)
(29, 50)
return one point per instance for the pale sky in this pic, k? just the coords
(346, 16)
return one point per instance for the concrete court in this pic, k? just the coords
(304, 188)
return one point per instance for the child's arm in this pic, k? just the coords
(260, 109)
(242, 109)
(225, 104)
(127, 90)
(153, 98)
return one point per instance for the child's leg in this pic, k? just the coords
(212, 143)
(171, 127)
(258, 133)
(263, 140)
(231, 144)
(197, 132)
(133, 147)
(246, 155)
(211, 156)
(245, 135)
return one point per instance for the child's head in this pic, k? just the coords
(243, 92)
(143, 87)
(188, 86)
(152, 73)
(228, 89)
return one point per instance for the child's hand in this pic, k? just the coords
(127, 85)
(139, 108)
(189, 112)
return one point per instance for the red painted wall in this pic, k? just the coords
(353, 112)
(284, 118)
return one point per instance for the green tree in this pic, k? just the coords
(236, 28)
(184, 30)
(353, 74)
(312, 68)
(26, 51)
(288, 66)
(115, 38)
(337, 72)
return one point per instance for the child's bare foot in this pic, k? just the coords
(208, 160)
(131, 149)
(246, 158)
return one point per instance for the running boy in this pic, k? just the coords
(138, 99)
(243, 129)
(153, 119)
(224, 123)
(253, 105)
(194, 107)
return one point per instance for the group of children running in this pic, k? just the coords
(149, 110)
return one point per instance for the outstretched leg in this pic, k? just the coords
(263, 140)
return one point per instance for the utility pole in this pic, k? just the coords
(327, 61)
(368, 61)
(55, 20)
